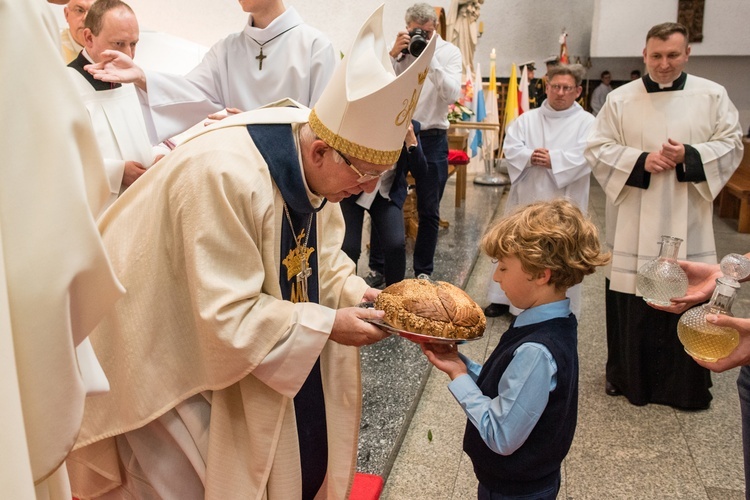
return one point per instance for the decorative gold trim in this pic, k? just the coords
(422, 76)
(346, 146)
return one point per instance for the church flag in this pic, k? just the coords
(511, 102)
(523, 93)
(493, 139)
(564, 59)
(480, 112)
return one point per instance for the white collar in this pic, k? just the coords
(287, 20)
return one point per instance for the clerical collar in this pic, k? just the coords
(652, 86)
(82, 60)
(289, 19)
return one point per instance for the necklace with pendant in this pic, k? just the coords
(302, 251)
(260, 56)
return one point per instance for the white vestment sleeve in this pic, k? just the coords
(297, 351)
(611, 162)
(516, 151)
(174, 103)
(722, 153)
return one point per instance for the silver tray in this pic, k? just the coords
(418, 338)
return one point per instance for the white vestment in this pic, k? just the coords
(119, 127)
(564, 134)
(228, 354)
(634, 121)
(55, 279)
(69, 48)
(297, 64)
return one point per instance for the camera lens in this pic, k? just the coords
(417, 42)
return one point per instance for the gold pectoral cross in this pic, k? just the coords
(260, 58)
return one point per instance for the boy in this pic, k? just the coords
(522, 404)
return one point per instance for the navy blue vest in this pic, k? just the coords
(276, 144)
(536, 464)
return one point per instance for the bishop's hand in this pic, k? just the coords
(116, 67)
(350, 329)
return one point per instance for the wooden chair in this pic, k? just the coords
(734, 199)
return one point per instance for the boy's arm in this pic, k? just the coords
(506, 421)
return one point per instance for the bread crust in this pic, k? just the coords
(434, 308)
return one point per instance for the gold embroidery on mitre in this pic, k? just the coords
(410, 105)
(295, 258)
(370, 155)
(421, 76)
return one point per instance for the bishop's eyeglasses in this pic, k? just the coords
(362, 177)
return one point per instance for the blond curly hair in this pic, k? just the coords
(552, 235)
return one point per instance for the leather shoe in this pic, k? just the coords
(495, 310)
(611, 390)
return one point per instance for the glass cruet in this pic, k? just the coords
(706, 341)
(662, 278)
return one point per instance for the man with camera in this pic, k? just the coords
(442, 87)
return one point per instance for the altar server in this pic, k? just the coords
(275, 56)
(544, 148)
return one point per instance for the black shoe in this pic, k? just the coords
(375, 279)
(495, 310)
(611, 390)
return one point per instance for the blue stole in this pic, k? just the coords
(276, 144)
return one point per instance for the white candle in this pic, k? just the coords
(492, 54)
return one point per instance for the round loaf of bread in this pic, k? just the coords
(434, 308)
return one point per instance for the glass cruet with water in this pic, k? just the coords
(662, 278)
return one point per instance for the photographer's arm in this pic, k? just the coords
(446, 76)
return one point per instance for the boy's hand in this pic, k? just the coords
(445, 358)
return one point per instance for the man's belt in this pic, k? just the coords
(432, 131)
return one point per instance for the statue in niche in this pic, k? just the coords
(462, 29)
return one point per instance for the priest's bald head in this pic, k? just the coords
(110, 25)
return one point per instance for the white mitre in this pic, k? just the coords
(366, 109)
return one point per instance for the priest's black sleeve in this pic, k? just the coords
(638, 176)
(692, 169)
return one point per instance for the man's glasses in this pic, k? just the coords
(361, 177)
(566, 89)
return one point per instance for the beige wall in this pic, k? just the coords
(612, 31)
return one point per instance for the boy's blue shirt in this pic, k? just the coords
(523, 391)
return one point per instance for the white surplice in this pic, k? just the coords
(298, 63)
(119, 128)
(55, 279)
(564, 134)
(634, 121)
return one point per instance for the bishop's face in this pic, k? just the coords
(119, 32)
(75, 14)
(666, 59)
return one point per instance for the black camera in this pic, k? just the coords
(417, 43)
